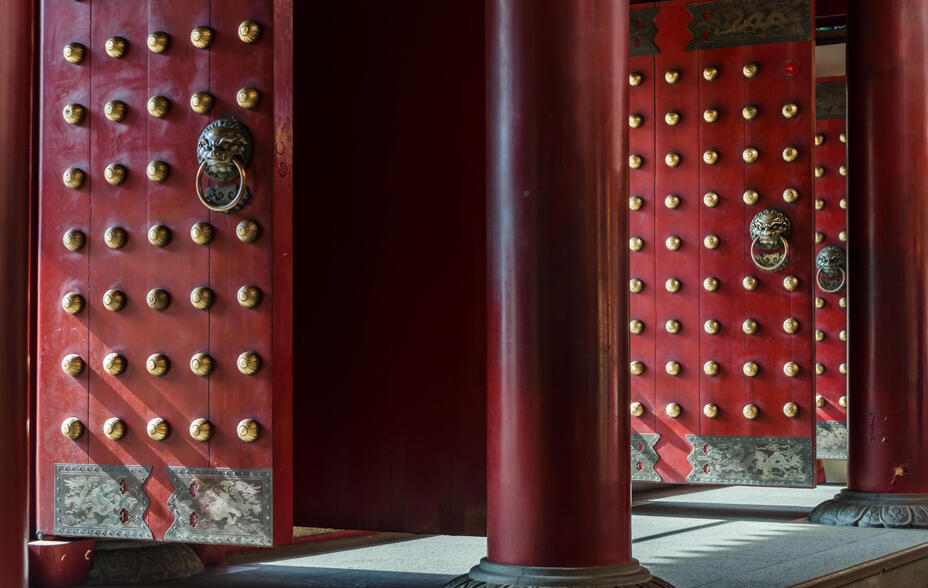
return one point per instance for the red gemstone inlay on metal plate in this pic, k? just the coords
(123, 516)
(194, 519)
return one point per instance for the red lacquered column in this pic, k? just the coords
(888, 264)
(558, 479)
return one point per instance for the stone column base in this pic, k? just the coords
(493, 575)
(870, 509)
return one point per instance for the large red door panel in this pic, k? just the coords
(729, 147)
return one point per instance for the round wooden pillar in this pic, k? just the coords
(887, 60)
(558, 494)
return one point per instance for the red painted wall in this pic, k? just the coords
(389, 266)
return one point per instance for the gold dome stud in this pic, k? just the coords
(158, 106)
(672, 118)
(672, 285)
(72, 364)
(750, 155)
(634, 285)
(201, 429)
(750, 70)
(843, 137)
(636, 409)
(672, 201)
(115, 174)
(73, 178)
(842, 369)
(201, 102)
(635, 78)
(672, 368)
(157, 299)
(710, 410)
(819, 204)
(710, 115)
(115, 237)
(248, 296)
(750, 411)
(791, 369)
(819, 139)
(790, 154)
(750, 197)
(790, 283)
(636, 368)
(157, 171)
(749, 112)
(842, 335)
(791, 326)
(819, 335)
(843, 203)
(672, 326)
(635, 161)
(201, 37)
(158, 429)
(820, 369)
(673, 243)
(791, 410)
(72, 302)
(249, 31)
(672, 159)
(201, 233)
(201, 364)
(710, 284)
(819, 302)
(842, 236)
(114, 300)
(114, 429)
(201, 297)
(247, 98)
(711, 327)
(710, 73)
(749, 369)
(116, 47)
(711, 199)
(842, 402)
(635, 327)
(842, 302)
(73, 113)
(672, 410)
(790, 110)
(749, 283)
(672, 76)
(790, 195)
(72, 428)
(74, 52)
(157, 364)
(73, 239)
(710, 368)
(158, 41)
(710, 157)
(842, 170)
(247, 430)
(635, 202)
(115, 110)
(247, 231)
(819, 171)
(819, 237)
(635, 121)
(248, 363)
(635, 243)
(711, 241)
(114, 364)
(820, 401)
(749, 326)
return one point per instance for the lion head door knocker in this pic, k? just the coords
(224, 151)
(831, 275)
(770, 230)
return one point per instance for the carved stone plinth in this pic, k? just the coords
(869, 509)
(493, 575)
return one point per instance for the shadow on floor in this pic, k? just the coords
(271, 576)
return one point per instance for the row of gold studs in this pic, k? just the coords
(201, 233)
(820, 138)
(711, 410)
(710, 115)
(750, 326)
(158, 429)
(201, 298)
(157, 364)
(711, 157)
(710, 74)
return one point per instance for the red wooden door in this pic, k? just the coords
(722, 351)
(156, 414)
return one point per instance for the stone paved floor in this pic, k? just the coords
(721, 537)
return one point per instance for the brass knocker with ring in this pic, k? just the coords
(831, 262)
(224, 151)
(770, 229)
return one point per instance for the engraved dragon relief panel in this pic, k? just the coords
(644, 457)
(101, 501)
(728, 23)
(831, 440)
(217, 505)
(752, 461)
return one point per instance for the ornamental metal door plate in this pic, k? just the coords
(219, 505)
(101, 501)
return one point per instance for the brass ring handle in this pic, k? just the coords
(778, 265)
(826, 290)
(238, 196)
